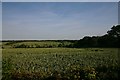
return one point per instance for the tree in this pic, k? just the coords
(111, 39)
(87, 41)
(115, 31)
(115, 34)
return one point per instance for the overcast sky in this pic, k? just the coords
(57, 20)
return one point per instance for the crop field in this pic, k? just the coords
(0, 62)
(35, 44)
(60, 64)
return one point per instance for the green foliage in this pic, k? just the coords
(60, 64)
(63, 59)
(115, 31)
(42, 44)
(111, 39)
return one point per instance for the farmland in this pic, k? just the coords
(0, 61)
(59, 63)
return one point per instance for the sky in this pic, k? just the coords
(57, 20)
(60, 0)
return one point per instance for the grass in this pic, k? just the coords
(60, 63)
(42, 44)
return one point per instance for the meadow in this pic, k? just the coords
(59, 63)
(0, 61)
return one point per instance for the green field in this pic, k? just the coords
(36, 44)
(60, 63)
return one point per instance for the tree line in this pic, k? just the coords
(110, 40)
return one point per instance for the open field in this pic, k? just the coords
(60, 63)
(36, 44)
(60, 40)
(0, 63)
